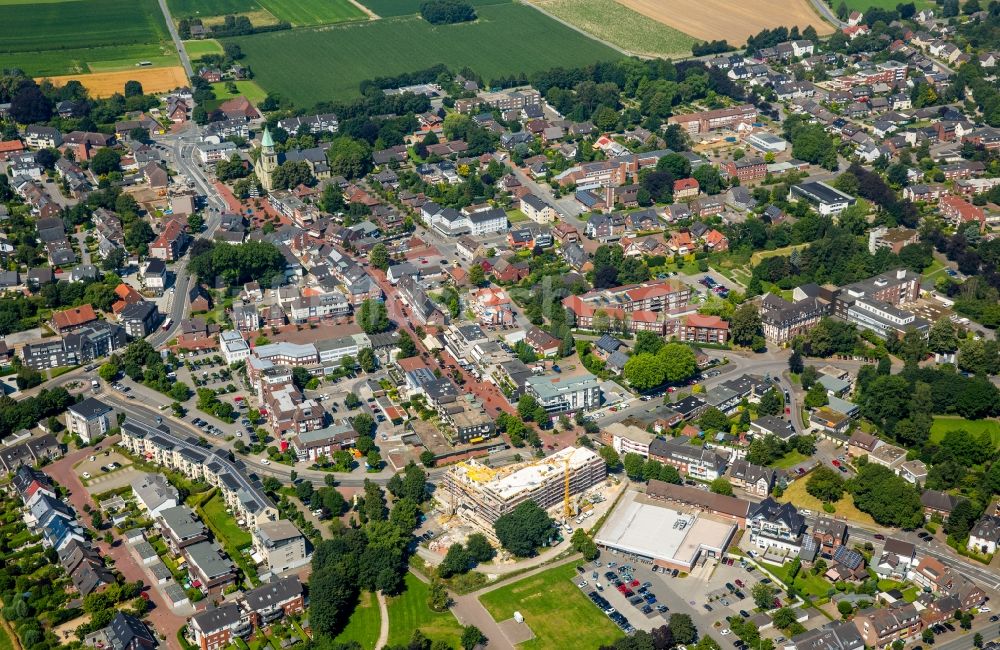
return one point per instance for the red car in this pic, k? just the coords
(739, 583)
(835, 463)
(635, 583)
(622, 588)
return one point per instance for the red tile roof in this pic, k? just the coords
(713, 322)
(74, 317)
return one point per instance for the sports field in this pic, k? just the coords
(105, 84)
(943, 424)
(389, 8)
(724, 19)
(296, 12)
(621, 26)
(555, 609)
(409, 611)
(312, 65)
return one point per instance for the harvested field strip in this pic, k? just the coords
(622, 27)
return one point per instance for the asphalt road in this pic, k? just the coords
(828, 15)
(185, 61)
(180, 149)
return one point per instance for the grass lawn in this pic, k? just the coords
(516, 216)
(329, 63)
(935, 268)
(791, 459)
(796, 493)
(223, 523)
(945, 423)
(363, 626)
(409, 612)
(197, 49)
(617, 24)
(756, 258)
(555, 609)
(248, 89)
(805, 582)
(5, 642)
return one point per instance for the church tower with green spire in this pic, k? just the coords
(268, 160)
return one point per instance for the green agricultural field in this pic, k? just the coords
(297, 12)
(314, 12)
(88, 59)
(197, 49)
(363, 626)
(554, 608)
(389, 8)
(62, 26)
(409, 611)
(944, 423)
(617, 24)
(201, 8)
(862, 5)
(313, 65)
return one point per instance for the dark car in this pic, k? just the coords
(674, 573)
(707, 607)
(646, 609)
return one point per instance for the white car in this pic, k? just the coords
(264, 461)
(725, 632)
(92, 458)
(984, 610)
(86, 475)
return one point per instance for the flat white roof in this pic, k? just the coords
(652, 530)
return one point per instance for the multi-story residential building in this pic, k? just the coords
(627, 439)
(288, 412)
(698, 328)
(234, 346)
(754, 479)
(882, 626)
(895, 239)
(139, 320)
(81, 346)
(181, 527)
(320, 444)
(985, 535)
(89, 419)
(835, 636)
(537, 210)
(561, 394)
(641, 307)
(215, 628)
(782, 320)
(208, 563)
(324, 122)
(154, 493)
(314, 308)
(746, 169)
(210, 153)
(484, 494)
(160, 446)
(274, 600)
(281, 545)
(961, 213)
(776, 525)
(897, 559)
(722, 118)
(694, 461)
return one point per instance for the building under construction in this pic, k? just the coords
(483, 494)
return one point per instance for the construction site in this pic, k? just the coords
(481, 494)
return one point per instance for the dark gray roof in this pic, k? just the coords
(273, 594)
